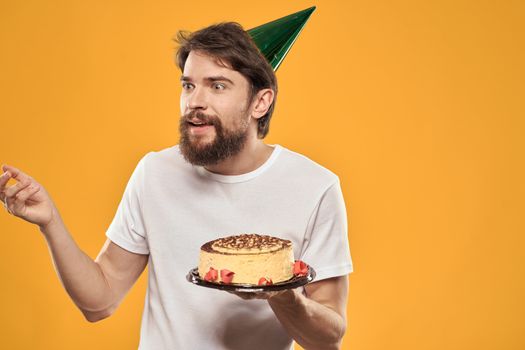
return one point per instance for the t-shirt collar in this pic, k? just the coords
(242, 177)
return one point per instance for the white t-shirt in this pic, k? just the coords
(170, 208)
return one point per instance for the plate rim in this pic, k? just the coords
(194, 278)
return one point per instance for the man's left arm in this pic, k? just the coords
(316, 320)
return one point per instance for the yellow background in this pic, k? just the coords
(416, 105)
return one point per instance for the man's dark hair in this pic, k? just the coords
(232, 45)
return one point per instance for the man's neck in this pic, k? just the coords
(252, 156)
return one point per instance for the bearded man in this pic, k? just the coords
(221, 179)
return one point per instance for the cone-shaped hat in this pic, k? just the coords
(275, 38)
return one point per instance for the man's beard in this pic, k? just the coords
(225, 144)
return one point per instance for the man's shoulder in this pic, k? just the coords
(302, 165)
(164, 157)
(168, 153)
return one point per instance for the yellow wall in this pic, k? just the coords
(417, 105)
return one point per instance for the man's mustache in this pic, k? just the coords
(197, 116)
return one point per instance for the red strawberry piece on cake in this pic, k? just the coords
(211, 275)
(227, 276)
(263, 281)
(300, 268)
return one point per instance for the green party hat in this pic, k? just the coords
(276, 38)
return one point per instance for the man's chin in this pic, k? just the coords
(201, 139)
(199, 144)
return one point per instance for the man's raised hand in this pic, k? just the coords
(26, 199)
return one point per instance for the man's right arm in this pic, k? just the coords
(97, 286)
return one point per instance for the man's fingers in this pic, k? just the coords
(22, 196)
(246, 296)
(13, 190)
(16, 173)
(4, 178)
(25, 194)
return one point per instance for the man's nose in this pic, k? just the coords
(197, 99)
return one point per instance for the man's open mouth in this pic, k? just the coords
(198, 123)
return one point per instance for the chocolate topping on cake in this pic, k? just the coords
(246, 243)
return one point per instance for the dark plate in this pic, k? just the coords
(294, 282)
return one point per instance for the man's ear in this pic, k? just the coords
(262, 102)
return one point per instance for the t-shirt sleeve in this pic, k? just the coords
(127, 229)
(326, 246)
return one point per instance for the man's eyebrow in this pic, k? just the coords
(211, 79)
(219, 78)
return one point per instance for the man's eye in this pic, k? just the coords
(186, 86)
(219, 86)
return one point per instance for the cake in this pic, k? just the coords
(247, 259)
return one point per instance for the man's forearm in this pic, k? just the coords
(311, 324)
(82, 277)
